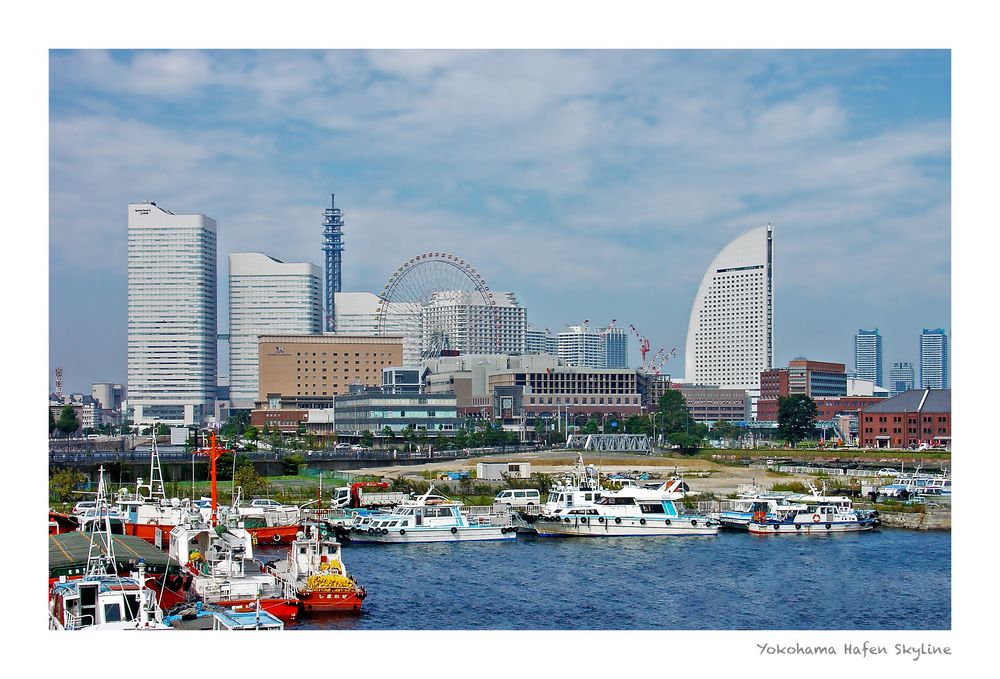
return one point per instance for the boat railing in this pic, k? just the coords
(75, 622)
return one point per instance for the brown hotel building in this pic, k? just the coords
(304, 369)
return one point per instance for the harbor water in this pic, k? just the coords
(885, 580)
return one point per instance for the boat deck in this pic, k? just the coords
(68, 554)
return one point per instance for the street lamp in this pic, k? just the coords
(655, 415)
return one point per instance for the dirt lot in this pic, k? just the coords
(701, 475)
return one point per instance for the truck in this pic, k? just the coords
(356, 496)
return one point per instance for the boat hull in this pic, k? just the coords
(275, 535)
(627, 527)
(774, 528)
(286, 610)
(147, 531)
(327, 602)
(420, 534)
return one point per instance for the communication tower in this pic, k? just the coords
(333, 245)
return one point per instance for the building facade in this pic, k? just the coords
(827, 407)
(711, 404)
(901, 378)
(615, 348)
(266, 297)
(579, 346)
(868, 356)
(730, 338)
(460, 320)
(374, 411)
(305, 370)
(934, 359)
(913, 418)
(172, 326)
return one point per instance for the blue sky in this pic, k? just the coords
(593, 184)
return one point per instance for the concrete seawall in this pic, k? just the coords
(934, 519)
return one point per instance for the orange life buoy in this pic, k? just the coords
(815, 518)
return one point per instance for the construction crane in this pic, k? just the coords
(659, 360)
(643, 343)
(611, 326)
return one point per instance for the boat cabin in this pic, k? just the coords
(98, 601)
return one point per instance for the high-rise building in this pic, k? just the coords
(934, 359)
(267, 297)
(535, 340)
(356, 312)
(333, 245)
(581, 347)
(461, 321)
(868, 356)
(172, 343)
(730, 338)
(900, 378)
(615, 348)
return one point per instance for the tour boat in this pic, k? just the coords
(813, 513)
(101, 599)
(315, 570)
(627, 512)
(432, 519)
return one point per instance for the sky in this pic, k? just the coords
(592, 184)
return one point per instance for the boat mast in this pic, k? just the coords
(155, 473)
(103, 562)
(213, 452)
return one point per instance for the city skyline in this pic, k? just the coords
(602, 184)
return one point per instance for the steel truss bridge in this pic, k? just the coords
(622, 443)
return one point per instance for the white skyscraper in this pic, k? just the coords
(868, 356)
(267, 297)
(171, 315)
(579, 346)
(900, 378)
(934, 359)
(730, 338)
(462, 320)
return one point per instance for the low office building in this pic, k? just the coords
(913, 418)
(711, 404)
(580, 392)
(374, 411)
(827, 408)
(300, 369)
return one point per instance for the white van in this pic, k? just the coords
(518, 498)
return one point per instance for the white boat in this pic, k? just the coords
(918, 483)
(101, 599)
(432, 519)
(736, 513)
(627, 512)
(201, 616)
(813, 513)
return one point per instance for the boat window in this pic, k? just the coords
(112, 613)
(612, 500)
(588, 497)
(651, 508)
(132, 605)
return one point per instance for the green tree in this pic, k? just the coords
(301, 429)
(251, 433)
(250, 481)
(724, 430)
(63, 482)
(674, 415)
(796, 417)
(687, 443)
(291, 463)
(388, 434)
(52, 422)
(68, 422)
(162, 430)
(367, 439)
(592, 426)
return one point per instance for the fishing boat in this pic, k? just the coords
(627, 512)
(148, 513)
(315, 570)
(813, 513)
(218, 566)
(267, 520)
(433, 519)
(101, 599)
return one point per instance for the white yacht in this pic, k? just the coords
(627, 512)
(432, 519)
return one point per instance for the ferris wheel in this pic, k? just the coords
(438, 301)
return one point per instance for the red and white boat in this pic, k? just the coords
(268, 521)
(218, 564)
(149, 514)
(315, 570)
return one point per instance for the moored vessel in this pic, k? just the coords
(315, 570)
(811, 514)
